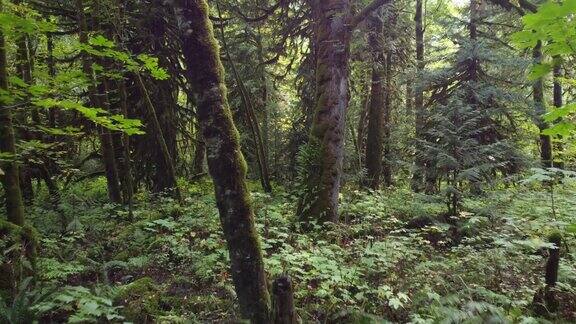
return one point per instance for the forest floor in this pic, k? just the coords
(395, 255)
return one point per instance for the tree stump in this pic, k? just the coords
(283, 294)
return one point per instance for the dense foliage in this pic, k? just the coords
(290, 161)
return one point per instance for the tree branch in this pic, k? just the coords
(524, 5)
(359, 17)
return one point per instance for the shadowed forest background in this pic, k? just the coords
(287, 161)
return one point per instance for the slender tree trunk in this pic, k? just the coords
(360, 136)
(127, 175)
(419, 161)
(99, 100)
(10, 177)
(225, 161)
(251, 119)
(52, 113)
(24, 70)
(375, 140)
(332, 39)
(157, 128)
(387, 165)
(558, 102)
(540, 109)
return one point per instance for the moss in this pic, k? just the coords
(141, 300)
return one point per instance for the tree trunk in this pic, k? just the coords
(558, 102)
(540, 109)
(332, 40)
(251, 119)
(99, 100)
(225, 161)
(284, 312)
(387, 164)
(52, 73)
(157, 129)
(419, 161)
(10, 178)
(127, 176)
(375, 140)
(24, 70)
(360, 138)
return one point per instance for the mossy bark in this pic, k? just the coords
(225, 161)
(10, 179)
(332, 40)
(333, 22)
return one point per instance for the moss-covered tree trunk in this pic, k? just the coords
(225, 161)
(332, 37)
(417, 182)
(333, 25)
(10, 174)
(374, 142)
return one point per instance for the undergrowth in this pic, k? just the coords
(396, 255)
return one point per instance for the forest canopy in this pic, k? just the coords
(287, 161)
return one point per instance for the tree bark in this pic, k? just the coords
(127, 176)
(375, 140)
(10, 179)
(558, 102)
(284, 312)
(251, 119)
(52, 113)
(332, 37)
(539, 110)
(417, 182)
(387, 145)
(225, 161)
(99, 100)
(157, 128)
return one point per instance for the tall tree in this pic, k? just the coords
(10, 176)
(374, 142)
(334, 22)
(539, 110)
(419, 161)
(225, 161)
(99, 98)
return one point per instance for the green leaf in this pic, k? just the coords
(539, 70)
(560, 129)
(101, 41)
(559, 113)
